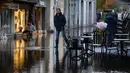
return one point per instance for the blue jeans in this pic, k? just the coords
(57, 37)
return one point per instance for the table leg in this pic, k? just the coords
(122, 47)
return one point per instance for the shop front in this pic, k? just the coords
(40, 9)
(40, 18)
(19, 20)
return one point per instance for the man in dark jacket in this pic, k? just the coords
(111, 27)
(59, 23)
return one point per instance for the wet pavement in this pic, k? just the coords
(37, 55)
(22, 56)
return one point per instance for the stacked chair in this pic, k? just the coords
(122, 35)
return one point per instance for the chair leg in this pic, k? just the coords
(117, 51)
(101, 49)
(106, 49)
(109, 52)
(126, 52)
(94, 50)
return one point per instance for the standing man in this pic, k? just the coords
(59, 23)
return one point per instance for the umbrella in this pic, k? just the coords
(101, 25)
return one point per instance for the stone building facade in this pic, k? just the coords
(80, 14)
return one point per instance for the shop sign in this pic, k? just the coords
(13, 6)
(42, 3)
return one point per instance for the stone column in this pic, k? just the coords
(76, 18)
(87, 13)
(73, 17)
(84, 15)
(93, 12)
(66, 7)
(79, 17)
(51, 15)
(76, 12)
(70, 16)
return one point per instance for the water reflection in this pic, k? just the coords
(15, 57)
(19, 59)
(19, 43)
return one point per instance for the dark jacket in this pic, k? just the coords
(111, 23)
(59, 21)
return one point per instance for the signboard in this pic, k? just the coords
(12, 5)
(41, 4)
(9, 6)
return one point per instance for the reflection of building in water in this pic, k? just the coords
(19, 43)
(19, 55)
(6, 59)
(24, 58)
(19, 59)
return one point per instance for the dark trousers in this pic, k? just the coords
(57, 37)
(111, 35)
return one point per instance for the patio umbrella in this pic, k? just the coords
(101, 25)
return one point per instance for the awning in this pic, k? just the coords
(15, 6)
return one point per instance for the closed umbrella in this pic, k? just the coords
(101, 25)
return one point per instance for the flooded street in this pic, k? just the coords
(38, 56)
(21, 56)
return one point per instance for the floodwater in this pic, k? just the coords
(37, 55)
